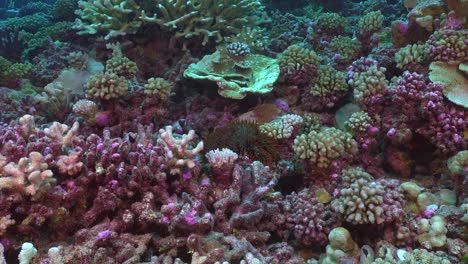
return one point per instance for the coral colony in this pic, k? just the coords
(233, 131)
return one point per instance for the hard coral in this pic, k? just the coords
(298, 65)
(309, 220)
(245, 138)
(207, 18)
(111, 17)
(237, 77)
(107, 86)
(321, 148)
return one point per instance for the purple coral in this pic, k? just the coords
(309, 220)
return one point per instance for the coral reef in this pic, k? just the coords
(233, 131)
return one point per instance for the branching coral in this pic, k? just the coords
(370, 23)
(28, 174)
(411, 56)
(245, 138)
(328, 88)
(159, 87)
(111, 17)
(310, 220)
(298, 65)
(119, 64)
(321, 148)
(282, 127)
(358, 122)
(448, 45)
(207, 18)
(107, 86)
(368, 83)
(178, 151)
(346, 48)
(331, 23)
(360, 198)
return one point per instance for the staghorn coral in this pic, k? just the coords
(207, 19)
(110, 17)
(321, 148)
(177, 150)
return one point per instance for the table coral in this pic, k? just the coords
(235, 79)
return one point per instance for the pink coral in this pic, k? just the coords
(309, 220)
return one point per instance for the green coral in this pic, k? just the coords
(370, 23)
(348, 48)
(159, 87)
(368, 83)
(12, 71)
(65, 9)
(106, 86)
(323, 147)
(29, 23)
(359, 122)
(206, 18)
(111, 17)
(119, 64)
(282, 127)
(458, 164)
(328, 82)
(296, 59)
(254, 37)
(331, 22)
(234, 78)
(41, 39)
(411, 55)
